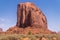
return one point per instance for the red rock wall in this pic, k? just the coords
(30, 15)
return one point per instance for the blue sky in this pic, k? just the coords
(51, 8)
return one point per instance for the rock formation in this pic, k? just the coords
(1, 30)
(30, 15)
(29, 19)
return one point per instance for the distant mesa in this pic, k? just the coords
(30, 19)
(1, 30)
(58, 32)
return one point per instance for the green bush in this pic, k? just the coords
(29, 33)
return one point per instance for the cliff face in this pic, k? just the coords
(30, 15)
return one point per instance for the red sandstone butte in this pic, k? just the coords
(30, 19)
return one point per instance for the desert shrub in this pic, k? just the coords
(29, 33)
(8, 37)
(11, 38)
(33, 38)
(3, 39)
(28, 37)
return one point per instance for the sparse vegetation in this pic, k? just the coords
(29, 37)
(29, 33)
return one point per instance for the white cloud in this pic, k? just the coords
(5, 23)
(1, 25)
(2, 19)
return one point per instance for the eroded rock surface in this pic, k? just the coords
(30, 15)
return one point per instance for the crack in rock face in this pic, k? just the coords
(29, 15)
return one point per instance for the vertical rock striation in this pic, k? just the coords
(30, 15)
